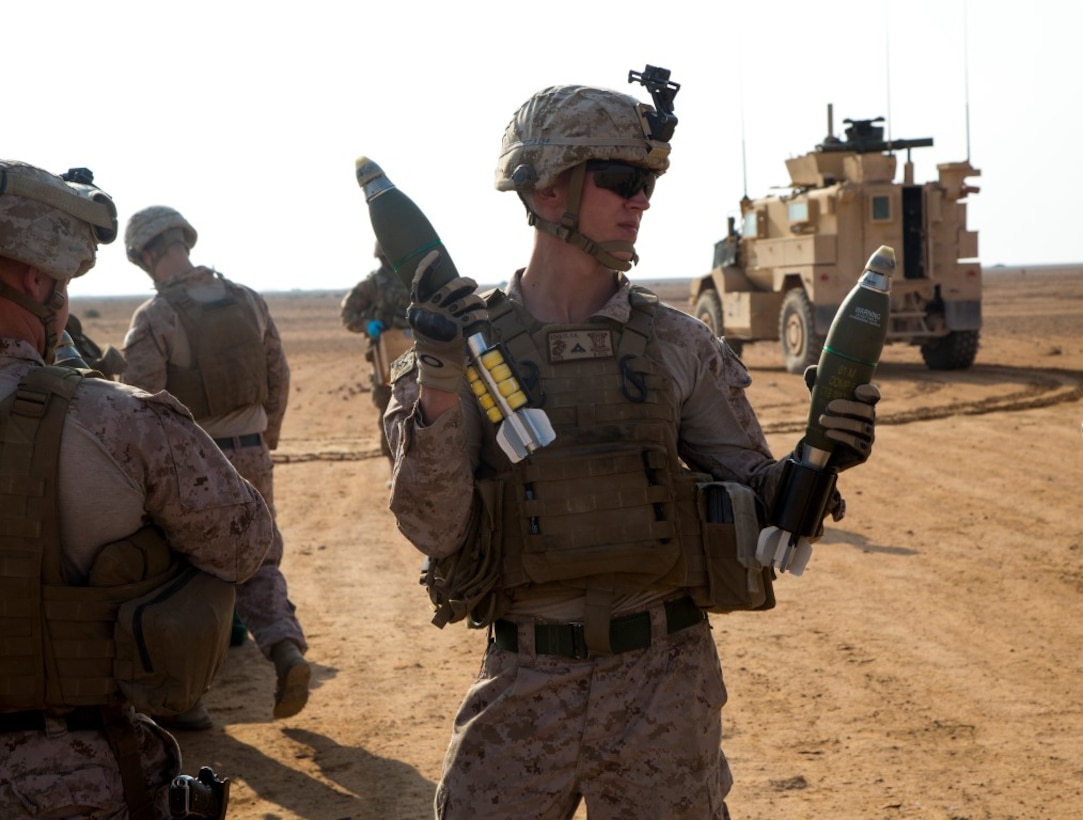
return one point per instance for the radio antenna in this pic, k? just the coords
(887, 65)
(966, 76)
(741, 104)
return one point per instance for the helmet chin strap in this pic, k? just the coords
(45, 312)
(568, 231)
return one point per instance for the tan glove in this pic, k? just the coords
(439, 317)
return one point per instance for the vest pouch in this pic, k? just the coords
(597, 510)
(171, 641)
(731, 517)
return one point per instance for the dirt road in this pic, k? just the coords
(927, 664)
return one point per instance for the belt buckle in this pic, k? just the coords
(579, 649)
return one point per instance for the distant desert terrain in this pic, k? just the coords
(928, 664)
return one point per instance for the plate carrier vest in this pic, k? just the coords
(229, 363)
(608, 507)
(149, 629)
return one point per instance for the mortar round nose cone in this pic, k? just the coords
(882, 261)
(367, 170)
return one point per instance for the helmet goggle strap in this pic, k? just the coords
(45, 312)
(568, 231)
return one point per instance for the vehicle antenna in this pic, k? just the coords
(966, 76)
(887, 64)
(744, 155)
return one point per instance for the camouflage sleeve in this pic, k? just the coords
(278, 381)
(207, 511)
(358, 305)
(147, 345)
(432, 492)
(720, 433)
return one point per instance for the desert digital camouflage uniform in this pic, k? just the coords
(591, 556)
(157, 340)
(126, 459)
(632, 732)
(381, 297)
(116, 473)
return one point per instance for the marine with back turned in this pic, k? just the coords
(105, 490)
(213, 344)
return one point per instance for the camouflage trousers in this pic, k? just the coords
(262, 601)
(59, 773)
(635, 735)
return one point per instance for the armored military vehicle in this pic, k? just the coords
(783, 272)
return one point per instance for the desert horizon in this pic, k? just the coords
(673, 286)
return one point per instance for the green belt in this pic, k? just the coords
(625, 633)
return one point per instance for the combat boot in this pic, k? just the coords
(294, 673)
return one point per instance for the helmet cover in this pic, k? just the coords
(51, 224)
(152, 222)
(565, 125)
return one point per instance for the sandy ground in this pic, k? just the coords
(926, 665)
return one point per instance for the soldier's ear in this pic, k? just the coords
(36, 283)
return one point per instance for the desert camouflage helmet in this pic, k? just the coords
(53, 223)
(150, 223)
(565, 125)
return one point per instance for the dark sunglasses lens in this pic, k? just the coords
(625, 180)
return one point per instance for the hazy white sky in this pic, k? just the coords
(247, 117)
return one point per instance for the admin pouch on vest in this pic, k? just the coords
(229, 363)
(608, 507)
(148, 629)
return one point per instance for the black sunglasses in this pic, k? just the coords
(621, 178)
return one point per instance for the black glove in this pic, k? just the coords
(850, 423)
(439, 316)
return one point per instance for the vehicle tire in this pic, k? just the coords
(800, 345)
(709, 311)
(956, 351)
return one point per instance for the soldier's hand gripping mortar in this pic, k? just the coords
(409, 241)
(842, 384)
